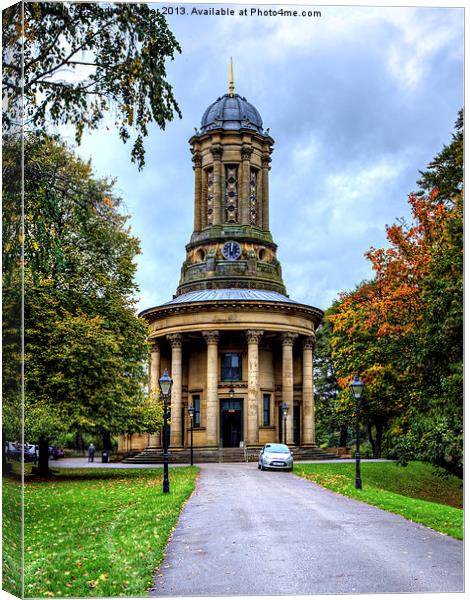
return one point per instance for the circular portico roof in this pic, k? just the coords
(248, 302)
(230, 294)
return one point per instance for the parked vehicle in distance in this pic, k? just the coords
(55, 452)
(15, 450)
(275, 456)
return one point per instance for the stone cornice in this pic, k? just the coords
(314, 314)
(217, 234)
(220, 131)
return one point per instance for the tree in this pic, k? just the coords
(358, 346)
(85, 349)
(84, 61)
(445, 173)
(403, 330)
(331, 426)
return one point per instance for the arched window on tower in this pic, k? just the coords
(253, 197)
(231, 193)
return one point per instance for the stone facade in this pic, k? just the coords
(236, 346)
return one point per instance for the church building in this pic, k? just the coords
(235, 344)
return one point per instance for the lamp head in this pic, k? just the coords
(165, 382)
(191, 410)
(357, 387)
(285, 409)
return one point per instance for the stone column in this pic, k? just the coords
(308, 409)
(253, 337)
(244, 196)
(265, 160)
(217, 151)
(176, 342)
(212, 387)
(198, 199)
(154, 374)
(288, 340)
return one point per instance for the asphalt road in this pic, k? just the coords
(247, 532)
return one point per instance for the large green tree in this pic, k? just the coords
(85, 350)
(83, 62)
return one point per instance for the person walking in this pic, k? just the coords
(91, 452)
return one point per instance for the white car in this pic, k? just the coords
(275, 456)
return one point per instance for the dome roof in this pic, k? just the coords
(231, 112)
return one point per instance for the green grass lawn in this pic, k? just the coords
(416, 491)
(99, 532)
(11, 536)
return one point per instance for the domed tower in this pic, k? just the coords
(231, 246)
(238, 349)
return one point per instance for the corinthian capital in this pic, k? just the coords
(247, 151)
(309, 343)
(265, 161)
(154, 346)
(175, 340)
(197, 160)
(217, 151)
(211, 337)
(288, 338)
(253, 336)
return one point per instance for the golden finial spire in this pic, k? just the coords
(231, 86)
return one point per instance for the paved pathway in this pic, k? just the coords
(247, 532)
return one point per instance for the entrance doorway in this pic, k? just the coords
(231, 423)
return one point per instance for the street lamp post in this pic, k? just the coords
(285, 410)
(191, 416)
(357, 387)
(165, 382)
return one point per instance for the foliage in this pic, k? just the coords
(83, 61)
(85, 350)
(445, 172)
(99, 532)
(417, 492)
(331, 426)
(403, 329)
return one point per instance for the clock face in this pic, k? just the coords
(231, 251)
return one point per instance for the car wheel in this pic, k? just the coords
(259, 466)
(263, 468)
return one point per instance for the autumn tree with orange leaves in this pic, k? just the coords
(402, 331)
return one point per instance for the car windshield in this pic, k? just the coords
(277, 448)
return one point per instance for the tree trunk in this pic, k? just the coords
(343, 436)
(106, 441)
(377, 442)
(6, 466)
(43, 459)
(79, 445)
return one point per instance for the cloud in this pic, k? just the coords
(358, 101)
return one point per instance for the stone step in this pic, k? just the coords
(155, 456)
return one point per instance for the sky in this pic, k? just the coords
(357, 100)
